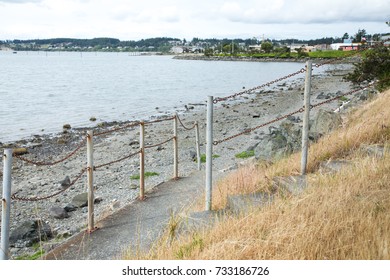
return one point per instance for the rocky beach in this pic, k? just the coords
(116, 184)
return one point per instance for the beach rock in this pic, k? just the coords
(20, 151)
(293, 134)
(324, 95)
(70, 208)
(326, 121)
(67, 126)
(134, 186)
(30, 232)
(58, 213)
(65, 183)
(192, 155)
(134, 143)
(80, 200)
(294, 119)
(280, 142)
(273, 146)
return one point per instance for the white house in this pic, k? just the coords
(345, 46)
(177, 50)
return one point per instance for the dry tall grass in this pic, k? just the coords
(341, 216)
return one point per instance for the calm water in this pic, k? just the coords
(43, 91)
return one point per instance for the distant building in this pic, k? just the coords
(386, 40)
(255, 48)
(177, 50)
(322, 47)
(345, 46)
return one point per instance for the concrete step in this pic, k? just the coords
(292, 184)
(333, 166)
(198, 220)
(377, 150)
(244, 202)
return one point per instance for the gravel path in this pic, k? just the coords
(114, 186)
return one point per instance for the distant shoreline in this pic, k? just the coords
(254, 59)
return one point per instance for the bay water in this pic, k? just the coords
(42, 91)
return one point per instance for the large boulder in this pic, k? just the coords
(58, 213)
(80, 200)
(273, 146)
(29, 233)
(293, 134)
(325, 121)
(280, 142)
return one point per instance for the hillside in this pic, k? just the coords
(340, 215)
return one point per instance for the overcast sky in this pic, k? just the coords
(137, 19)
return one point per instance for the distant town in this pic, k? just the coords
(165, 45)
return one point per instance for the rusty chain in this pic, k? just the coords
(42, 163)
(219, 99)
(19, 198)
(182, 124)
(158, 121)
(257, 127)
(162, 143)
(117, 129)
(116, 161)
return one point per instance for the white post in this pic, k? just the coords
(209, 152)
(197, 145)
(175, 150)
(6, 204)
(306, 117)
(91, 223)
(142, 162)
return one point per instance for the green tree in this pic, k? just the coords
(208, 52)
(301, 52)
(345, 36)
(267, 46)
(375, 66)
(360, 35)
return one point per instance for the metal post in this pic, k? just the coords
(197, 145)
(142, 162)
(209, 152)
(175, 150)
(306, 117)
(91, 224)
(6, 204)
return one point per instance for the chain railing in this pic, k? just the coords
(43, 163)
(96, 167)
(251, 90)
(36, 198)
(184, 126)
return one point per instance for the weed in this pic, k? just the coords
(147, 174)
(245, 154)
(197, 243)
(203, 158)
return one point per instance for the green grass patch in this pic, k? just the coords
(203, 158)
(40, 252)
(186, 250)
(147, 174)
(245, 154)
(330, 54)
(343, 98)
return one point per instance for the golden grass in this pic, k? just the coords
(340, 216)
